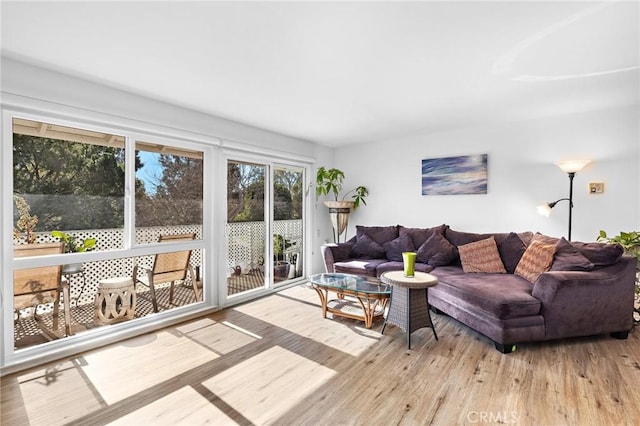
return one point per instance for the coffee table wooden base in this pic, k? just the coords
(370, 308)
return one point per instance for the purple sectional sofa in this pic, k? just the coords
(511, 287)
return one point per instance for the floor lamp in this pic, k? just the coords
(571, 167)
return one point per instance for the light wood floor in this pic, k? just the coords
(276, 361)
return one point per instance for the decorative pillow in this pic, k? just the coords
(536, 259)
(511, 250)
(379, 234)
(366, 247)
(420, 235)
(436, 251)
(394, 248)
(545, 239)
(481, 256)
(568, 258)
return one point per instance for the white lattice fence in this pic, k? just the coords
(246, 241)
(112, 239)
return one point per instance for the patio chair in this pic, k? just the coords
(168, 267)
(36, 286)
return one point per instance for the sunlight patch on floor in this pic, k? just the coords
(182, 407)
(256, 386)
(38, 387)
(327, 331)
(139, 367)
(220, 337)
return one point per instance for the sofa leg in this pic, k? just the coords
(436, 310)
(504, 348)
(621, 335)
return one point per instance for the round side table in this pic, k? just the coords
(409, 305)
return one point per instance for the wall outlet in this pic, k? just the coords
(596, 187)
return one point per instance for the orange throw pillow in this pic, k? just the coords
(481, 256)
(536, 259)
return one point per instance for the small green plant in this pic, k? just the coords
(630, 242)
(330, 181)
(73, 244)
(26, 223)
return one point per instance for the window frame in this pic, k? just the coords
(91, 338)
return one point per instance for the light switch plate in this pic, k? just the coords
(596, 187)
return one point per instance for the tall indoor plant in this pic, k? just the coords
(330, 181)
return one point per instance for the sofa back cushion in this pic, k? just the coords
(379, 234)
(395, 248)
(600, 254)
(420, 235)
(458, 238)
(366, 247)
(511, 250)
(436, 251)
(481, 256)
(568, 258)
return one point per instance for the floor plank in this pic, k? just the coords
(276, 361)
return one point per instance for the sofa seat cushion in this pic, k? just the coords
(504, 296)
(399, 266)
(359, 266)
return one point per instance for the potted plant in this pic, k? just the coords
(73, 244)
(330, 181)
(280, 265)
(630, 242)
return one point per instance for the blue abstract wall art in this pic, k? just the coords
(455, 175)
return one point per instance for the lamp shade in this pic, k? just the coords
(544, 210)
(572, 166)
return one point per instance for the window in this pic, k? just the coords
(66, 179)
(70, 187)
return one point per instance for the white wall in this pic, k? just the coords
(522, 175)
(63, 93)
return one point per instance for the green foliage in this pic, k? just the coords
(630, 242)
(330, 181)
(246, 192)
(26, 222)
(72, 244)
(178, 194)
(69, 185)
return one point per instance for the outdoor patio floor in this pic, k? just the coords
(29, 333)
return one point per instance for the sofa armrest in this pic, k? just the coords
(577, 303)
(332, 253)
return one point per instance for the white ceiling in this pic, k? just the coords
(343, 73)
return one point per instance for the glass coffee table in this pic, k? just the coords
(371, 296)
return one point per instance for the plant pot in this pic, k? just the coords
(72, 268)
(281, 270)
(339, 213)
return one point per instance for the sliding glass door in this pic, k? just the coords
(265, 226)
(288, 223)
